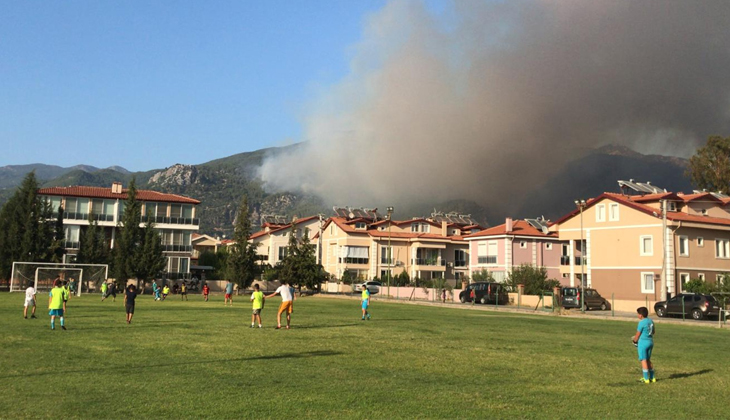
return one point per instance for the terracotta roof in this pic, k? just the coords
(654, 197)
(671, 215)
(278, 228)
(700, 196)
(101, 192)
(519, 228)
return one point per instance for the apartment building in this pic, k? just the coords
(368, 245)
(174, 217)
(644, 241)
(272, 241)
(515, 242)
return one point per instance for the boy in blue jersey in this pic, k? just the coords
(644, 341)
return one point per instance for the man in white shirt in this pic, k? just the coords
(287, 304)
(29, 301)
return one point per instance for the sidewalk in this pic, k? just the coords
(605, 315)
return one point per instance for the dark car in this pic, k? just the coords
(485, 292)
(593, 300)
(694, 304)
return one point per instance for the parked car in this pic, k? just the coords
(373, 286)
(694, 304)
(485, 292)
(593, 300)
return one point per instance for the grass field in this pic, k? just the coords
(196, 359)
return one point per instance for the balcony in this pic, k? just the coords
(489, 259)
(386, 261)
(71, 244)
(459, 263)
(177, 248)
(580, 260)
(565, 260)
(171, 220)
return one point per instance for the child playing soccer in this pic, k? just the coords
(229, 293)
(287, 304)
(644, 341)
(165, 292)
(156, 290)
(183, 291)
(104, 286)
(257, 297)
(55, 304)
(206, 291)
(129, 296)
(29, 301)
(365, 302)
(66, 295)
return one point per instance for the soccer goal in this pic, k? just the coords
(81, 277)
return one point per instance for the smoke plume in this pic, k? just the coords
(487, 99)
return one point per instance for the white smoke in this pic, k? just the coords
(490, 98)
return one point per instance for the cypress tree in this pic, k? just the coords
(128, 239)
(241, 260)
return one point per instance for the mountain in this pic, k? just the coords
(220, 184)
(598, 172)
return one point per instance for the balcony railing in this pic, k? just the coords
(459, 263)
(427, 261)
(76, 216)
(489, 259)
(565, 260)
(171, 220)
(580, 260)
(176, 276)
(71, 245)
(386, 261)
(177, 248)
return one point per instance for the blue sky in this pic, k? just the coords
(145, 85)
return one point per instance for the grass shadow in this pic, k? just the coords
(301, 355)
(688, 374)
(312, 327)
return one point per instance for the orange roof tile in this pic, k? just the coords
(519, 228)
(101, 192)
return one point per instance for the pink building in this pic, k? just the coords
(513, 243)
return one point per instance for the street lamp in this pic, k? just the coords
(390, 252)
(581, 204)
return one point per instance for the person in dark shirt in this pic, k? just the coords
(129, 296)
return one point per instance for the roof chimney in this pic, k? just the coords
(508, 225)
(116, 187)
(444, 228)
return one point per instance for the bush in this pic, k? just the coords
(348, 277)
(533, 278)
(483, 275)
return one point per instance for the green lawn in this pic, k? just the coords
(196, 359)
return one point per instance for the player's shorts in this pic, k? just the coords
(55, 312)
(257, 311)
(645, 349)
(129, 308)
(287, 306)
(364, 304)
(29, 302)
(206, 294)
(228, 295)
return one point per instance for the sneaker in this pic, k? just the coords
(251, 325)
(362, 319)
(25, 317)
(368, 317)
(287, 327)
(63, 327)
(260, 326)
(33, 317)
(278, 327)
(646, 381)
(653, 380)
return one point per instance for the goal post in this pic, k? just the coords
(41, 275)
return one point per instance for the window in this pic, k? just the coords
(386, 255)
(722, 248)
(175, 210)
(548, 246)
(283, 251)
(701, 276)
(683, 246)
(601, 213)
(458, 275)
(187, 211)
(482, 249)
(566, 250)
(613, 212)
(647, 282)
(420, 227)
(720, 279)
(523, 244)
(354, 254)
(332, 229)
(672, 206)
(704, 212)
(360, 225)
(385, 275)
(460, 258)
(646, 245)
(161, 210)
(683, 280)
(700, 242)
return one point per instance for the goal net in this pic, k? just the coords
(80, 277)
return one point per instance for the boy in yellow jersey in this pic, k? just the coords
(55, 304)
(365, 302)
(257, 297)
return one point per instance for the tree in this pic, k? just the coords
(533, 278)
(299, 266)
(483, 275)
(28, 230)
(93, 248)
(241, 261)
(709, 168)
(129, 238)
(151, 260)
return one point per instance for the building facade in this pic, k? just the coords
(272, 242)
(644, 247)
(174, 217)
(501, 248)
